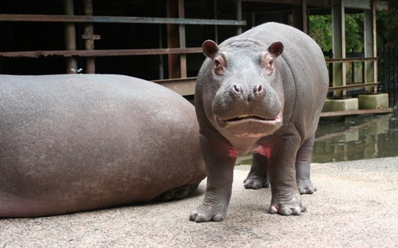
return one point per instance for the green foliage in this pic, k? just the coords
(354, 32)
(321, 31)
(387, 24)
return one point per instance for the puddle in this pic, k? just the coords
(356, 137)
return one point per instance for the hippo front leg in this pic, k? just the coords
(219, 166)
(258, 175)
(304, 183)
(285, 195)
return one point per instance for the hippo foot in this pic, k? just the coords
(292, 206)
(305, 186)
(207, 213)
(255, 182)
(178, 193)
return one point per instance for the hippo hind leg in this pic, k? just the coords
(258, 175)
(177, 193)
(304, 183)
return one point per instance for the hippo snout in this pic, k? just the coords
(257, 92)
(257, 101)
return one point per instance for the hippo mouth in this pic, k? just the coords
(249, 126)
(246, 118)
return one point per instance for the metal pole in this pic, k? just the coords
(70, 37)
(89, 34)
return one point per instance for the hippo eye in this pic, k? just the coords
(216, 63)
(271, 61)
(219, 65)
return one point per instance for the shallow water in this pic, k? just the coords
(357, 137)
(353, 138)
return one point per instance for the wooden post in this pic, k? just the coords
(183, 57)
(305, 16)
(173, 40)
(89, 36)
(300, 16)
(338, 30)
(297, 17)
(370, 46)
(215, 26)
(238, 15)
(70, 37)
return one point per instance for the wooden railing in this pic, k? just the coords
(353, 85)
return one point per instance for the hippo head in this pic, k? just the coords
(247, 92)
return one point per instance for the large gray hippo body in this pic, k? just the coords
(78, 142)
(260, 92)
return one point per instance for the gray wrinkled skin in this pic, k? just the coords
(260, 92)
(79, 142)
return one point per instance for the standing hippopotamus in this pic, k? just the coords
(71, 143)
(260, 92)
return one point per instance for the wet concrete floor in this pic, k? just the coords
(355, 206)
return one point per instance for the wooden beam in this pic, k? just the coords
(353, 86)
(297, 2)
(100, 53)
(350, 60)
(366, 5)
(319, 3)
(117, 19)
(183, 86)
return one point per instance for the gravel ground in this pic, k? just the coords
(355, 206)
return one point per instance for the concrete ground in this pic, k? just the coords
(356, 205)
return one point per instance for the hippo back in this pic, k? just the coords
(77, 142)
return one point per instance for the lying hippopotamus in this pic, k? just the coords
(79, 142)
(260, 92)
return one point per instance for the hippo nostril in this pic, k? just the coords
(258, 88)
(236, 88)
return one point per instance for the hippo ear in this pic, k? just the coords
(276, 49)
(267, 58)
(210, 48)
